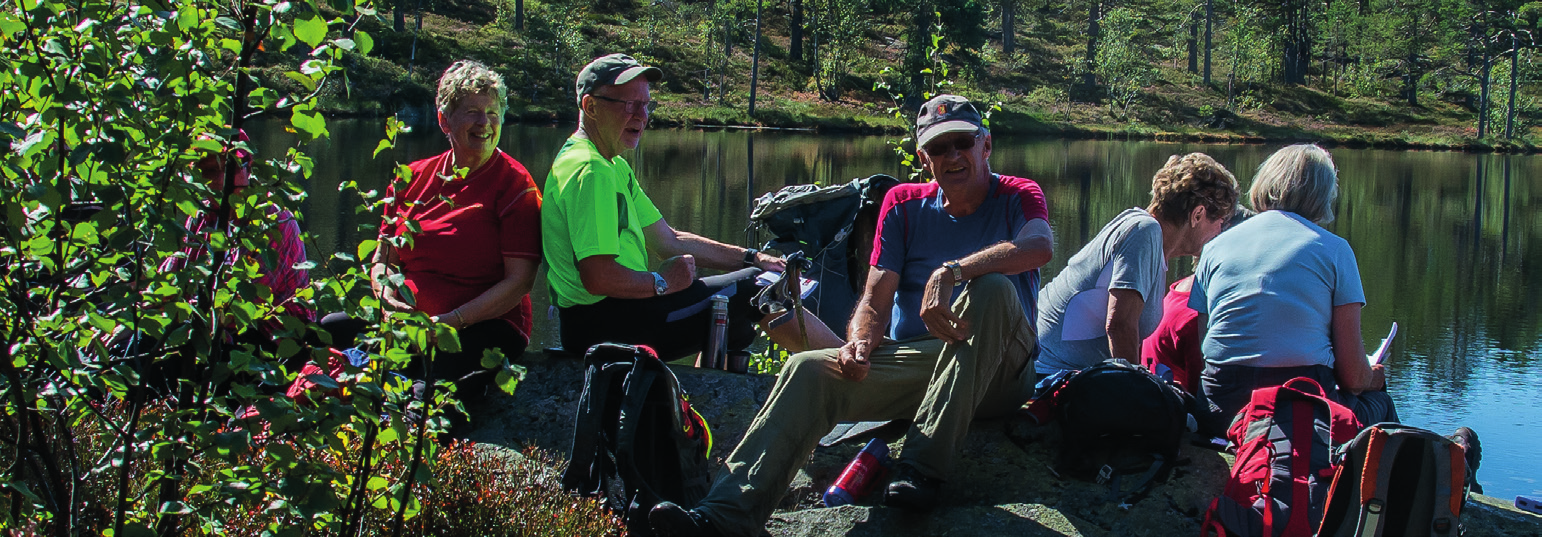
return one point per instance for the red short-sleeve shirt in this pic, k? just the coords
(1175, 343)
(468, 226)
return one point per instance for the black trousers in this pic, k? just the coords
(675, 325)
(1229, 388)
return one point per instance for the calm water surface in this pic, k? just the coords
(1445, 241)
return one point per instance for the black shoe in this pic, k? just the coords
(670, 519)
(912, 491)
(1468, 439)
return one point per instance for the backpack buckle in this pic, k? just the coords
(1105, 473)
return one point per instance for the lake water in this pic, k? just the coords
(1446, 241)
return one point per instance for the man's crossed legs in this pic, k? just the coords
(942, 387)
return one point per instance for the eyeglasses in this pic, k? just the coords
(631, 106)
(940, 147)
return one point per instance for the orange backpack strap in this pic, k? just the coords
(1450, 486)
(1375, 479)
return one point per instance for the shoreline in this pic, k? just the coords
(1013, 123)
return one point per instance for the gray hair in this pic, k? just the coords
(468, 77)
(1300, 179)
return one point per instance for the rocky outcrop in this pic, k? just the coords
(1004, 483)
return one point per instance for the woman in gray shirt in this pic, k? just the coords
(1109, 297)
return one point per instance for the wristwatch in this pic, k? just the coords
(659, 285)
(958, 272)
(750, 256)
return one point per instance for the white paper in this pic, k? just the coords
(1385, 347)
(806, 286)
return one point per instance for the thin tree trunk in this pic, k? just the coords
(399, 13)
(1209, 22)
(412, 58)
(1193, 42)
(519, 14)
(1090, 79)
(795, 33)
(1008, 26)
(1488, 66)
(1515, 52)
(728, 52)
(755, 60)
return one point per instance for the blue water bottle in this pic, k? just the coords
(860, 477)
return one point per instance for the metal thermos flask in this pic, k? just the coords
(715, 354)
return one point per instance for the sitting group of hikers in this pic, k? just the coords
(951, 324)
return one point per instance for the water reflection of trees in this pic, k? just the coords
(1440, 237)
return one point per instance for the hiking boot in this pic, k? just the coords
(912, 491)
(1473, 449)
(670, 519)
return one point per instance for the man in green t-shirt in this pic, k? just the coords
(597, 227)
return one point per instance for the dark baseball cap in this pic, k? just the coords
(613, 69)
(944, 114)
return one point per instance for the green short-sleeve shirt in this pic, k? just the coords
(591, 206)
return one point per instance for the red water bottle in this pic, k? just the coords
(861, 476)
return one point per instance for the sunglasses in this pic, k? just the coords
(631, 106)
(939, 147)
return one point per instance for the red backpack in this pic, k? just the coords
(1284, 438)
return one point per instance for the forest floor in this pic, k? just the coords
(1032, 87)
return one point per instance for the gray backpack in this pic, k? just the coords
(1396, 480)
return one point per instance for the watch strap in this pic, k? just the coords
(956, 270)
(750, 256)
(659, 284)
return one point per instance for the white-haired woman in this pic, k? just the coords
(473, 257)
(1282, 295)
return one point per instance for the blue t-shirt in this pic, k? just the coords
(1269, 287)
(915, 236)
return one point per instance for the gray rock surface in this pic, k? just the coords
(1003, 483)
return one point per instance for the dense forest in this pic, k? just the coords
(1445, 73)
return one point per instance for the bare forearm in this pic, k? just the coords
(709, 253)
(1350, 367)
(1006, 258)
(865, 324)
(1124, 342)
(1031, 248)
(492, 303)
(620, 282)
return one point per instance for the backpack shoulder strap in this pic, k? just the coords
(1376, 475)
(599, 377)
(639, 382)
(1450, 487)
(1141, 483)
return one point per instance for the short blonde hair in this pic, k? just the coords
(1189, 181)
(468, 77)
(1300, 179)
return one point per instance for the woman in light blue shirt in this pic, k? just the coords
(1282, 296)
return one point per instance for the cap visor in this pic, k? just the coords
(943, 128)
(653, 74)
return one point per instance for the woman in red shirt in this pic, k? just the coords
(472, 258)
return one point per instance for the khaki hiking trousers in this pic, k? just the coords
(941, 387)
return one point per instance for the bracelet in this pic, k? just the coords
(751, 255)
(458, 317)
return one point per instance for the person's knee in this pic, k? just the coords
(992, 284)
(988, 292)
(818, 366)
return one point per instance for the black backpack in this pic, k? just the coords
(637, 441)
(1117, 420)
(830, 225)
